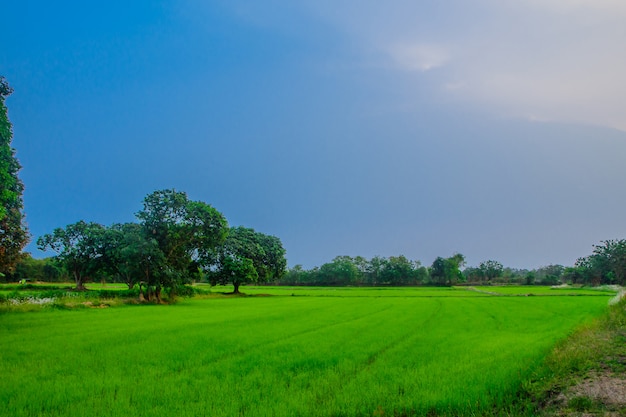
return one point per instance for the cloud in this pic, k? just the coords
(558, 60)
(420, 57)
(602, 6)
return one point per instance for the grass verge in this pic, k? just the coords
(585, 373)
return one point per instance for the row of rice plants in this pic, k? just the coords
(461, 291)
(282, 355)
(360, 291)
(545, 290)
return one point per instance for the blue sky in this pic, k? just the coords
(491, 128)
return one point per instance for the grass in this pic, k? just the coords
(567, 382)
(36, 296)
(460, 291)
(544, 290)
(357, 352)
(355, 291)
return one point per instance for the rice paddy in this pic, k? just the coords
(310, 352)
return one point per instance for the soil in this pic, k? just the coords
(600, 394)
(601, 391)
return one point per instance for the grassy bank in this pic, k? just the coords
(585, 373)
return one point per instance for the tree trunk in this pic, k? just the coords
(78, 279)
(236, 290)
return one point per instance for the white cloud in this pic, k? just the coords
(565, 68)
(560, 60)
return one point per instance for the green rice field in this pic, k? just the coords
(461, 291)
(294, 352)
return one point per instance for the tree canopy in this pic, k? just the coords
(13, 233)
(606, 265)
(186, 233)
(78, 247)
(447, 271)
(247, 256)
(176, 242)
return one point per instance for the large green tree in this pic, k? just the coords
(342, 270)
(607, 264)
(78, 247)
(491, 269)
(447, 271)
(13, 233)
(131, 256)
(399, 270)
(247, 256)
(186, 233)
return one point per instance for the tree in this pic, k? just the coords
(78, 248)
(47, 269)
(341, 271)
(398, 270)
(29, 268)
(13, 233)
(186, 232)
(235, 270)
(294, 276)
(375, 268)
(274, 262)
(446, 271)
(473, 274)
(574, 275)
(265, 253)
(130, 255)
(549, 275)
(607, 264)
(491, 269)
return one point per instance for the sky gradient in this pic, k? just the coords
(496, 129)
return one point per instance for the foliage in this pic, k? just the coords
(549, 275)
(245, 257)
(346, 270)
(31, 269)
(163, 252)
(341, 271)
(447, 271)
(491, 269)
(13, 233)
(130, 255)
(235, 270)
(78, 247)
(606, 265)
(398, 270)
(473, 275)
(186, 233)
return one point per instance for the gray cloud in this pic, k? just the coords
(553, 60)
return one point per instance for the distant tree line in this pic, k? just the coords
(246, 256)
(176, 241)
(606, 265)
(378, 271)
